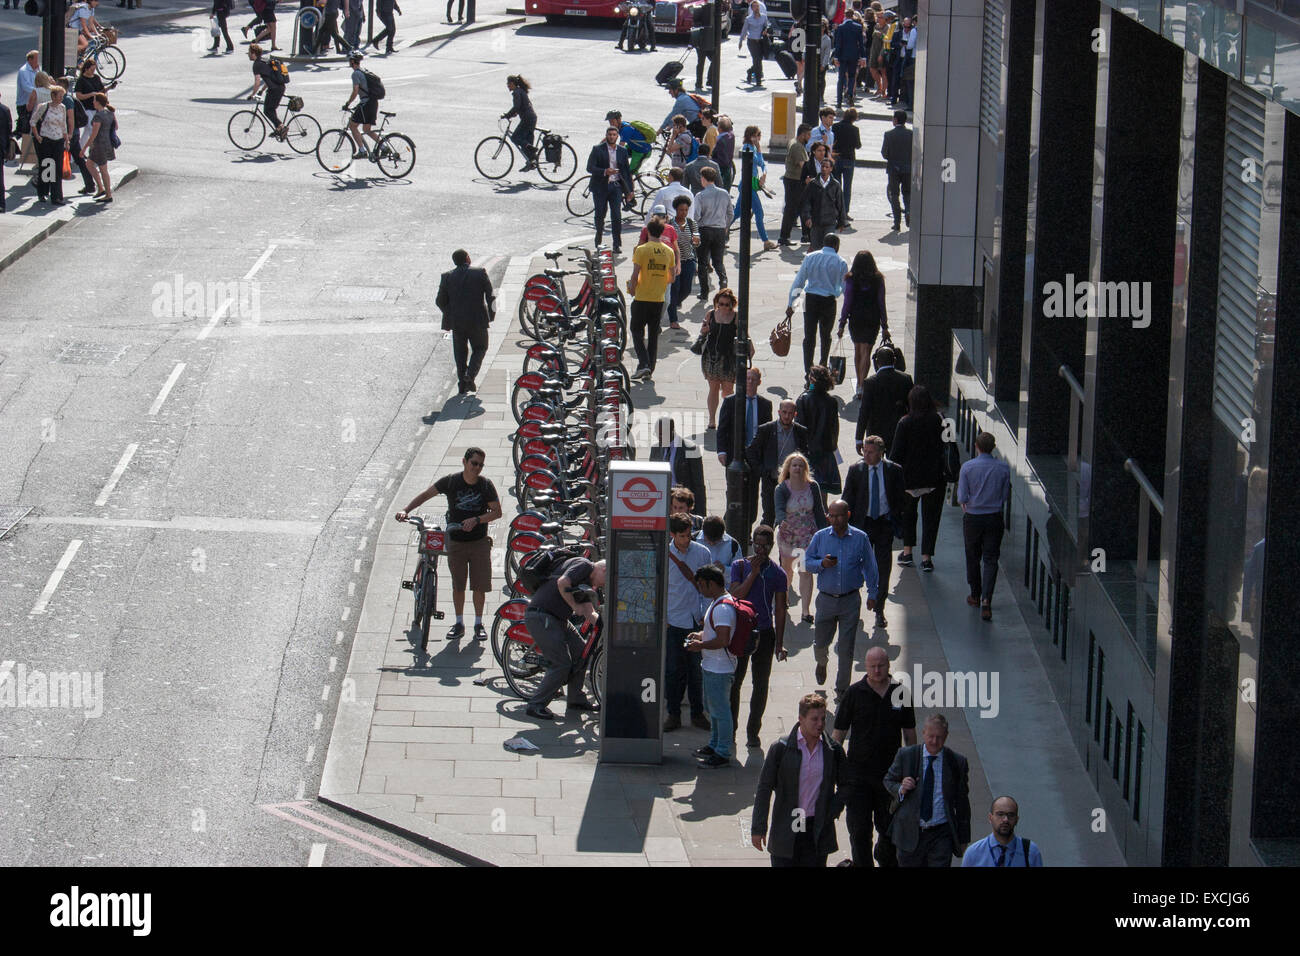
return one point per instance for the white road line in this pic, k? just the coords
(310, 529)
(167, 388)
(334, 663)
(465, 76)
(352, 588)
(317, 857)
(316, 725)
(60, 569)
(302, 785)
(259, 263)
(361, 545)
(117, 474)
(325, 692)
(346, 612)
(356, 566)
(410, 447)
(370, 524)
(311, 752)
(400, 463)
(338, 637)
(216, 318)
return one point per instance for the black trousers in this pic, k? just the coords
(769, 502)
(330, 31)
(49, 168)
(703, 67)
(468, 363)
(611, 197)
(764, 651)
(645, 332)
(221, 16)
(865, 803)
(848, 78)
(818, 317)
(930, 507)
(933, 849)
(712, 252)
(983, 534)
(900, 182)
(460, 10)
(756, 57)
(790, 211)
(881, 533)
(805, 844)
(389, 32)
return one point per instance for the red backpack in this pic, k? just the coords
(742, 635)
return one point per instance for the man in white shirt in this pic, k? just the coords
(682, 670)
(665, 195)
(823, 133)
(717, 664)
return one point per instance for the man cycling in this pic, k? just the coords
(683, 103)
(367, 111)
(638, 147)
(264, 74)
(81, 17)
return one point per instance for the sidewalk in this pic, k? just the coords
(26, 223)
(420, 746)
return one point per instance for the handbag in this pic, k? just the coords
(838, 364)
(112, 135)
(213, 28)
(780, 338)
(67, 164)
(951, 461)
(900, 363)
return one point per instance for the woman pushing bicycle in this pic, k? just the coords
(523, 108)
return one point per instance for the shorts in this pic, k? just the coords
(366, 113)
(472, 560)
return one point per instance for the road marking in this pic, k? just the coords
(346, 612)
(361, 545)
(338, 637)
(319, 718)
(465, 76)
(311, 752)
(302, 785)
(317, 857)
(259, 263)
(307, 529)
(370, 524)
(356, 566)
(167, 388)
(334, 663)
(117, 474)
(325, 692)
(410, 447)
(342, 833)
(400, 463)
(60, 569)
(352, 588)
(216, 317)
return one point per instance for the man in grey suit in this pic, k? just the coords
(896, 148)
(773, 443)
(932, 822)
(468, 306)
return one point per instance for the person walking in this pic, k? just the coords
(849, 53)
(654, 266)
(611, 182)
(796, 156)
(460, 11)
(800, 513)
(724, 153)
(468, 307)
(848, 140)
(353, 18)
(547, 621)
(718, 351)
(713, 214)
(875, 496)
(753, 144)
(52, 128)
(684, 612)
(841, 557)
(896, 148)
(821, 279)
(472, 502)
(758, 411)
(773, 443)
(760, 581)
(220, 13)
(864, 312)
(522, 107)
(751, 36)
(329, 30)
(99, 147)
(717, 665)
(26, 87)
(7, 131)
(932, 822)
(1001, 848)
(877, 721)
(823, 209)
(688, 237)
(884, 399)
(983, 486)
(818, 412)
(384, 10)
(918, 448)
(876, 57)
(805, 772)
(80, 119)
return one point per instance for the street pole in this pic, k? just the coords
(715, 68)
(370, 24)
(812, 44)
(52, 59)
(738, 475)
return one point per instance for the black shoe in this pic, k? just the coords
(927, 565)
(819, 676)
(583, 704)
(705, 751)
(461, 389)
(471, 386)
(896, 228)
(904, 560)
(456, 631)
(699, 720)
(672, 723)
(480, 632)
(86, 191)
(753, 743)
(714, 761)
(880, 621)
(541, 713)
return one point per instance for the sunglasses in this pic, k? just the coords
(476, 464)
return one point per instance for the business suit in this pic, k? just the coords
(608, 191)
(762, 456)
(918, 447)
(726, 423)
(884, 402)
(896, 148)
(687, 466)
(882, 530)
(780, 776)
(935, 846)
(468, 305)
(850, 47)
(823, 209)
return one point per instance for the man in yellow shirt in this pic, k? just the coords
(654, 266)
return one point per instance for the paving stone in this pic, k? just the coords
(660, 849)
(390, 702)
(549, 789)
(435, 802)
(393, 718)
(454, 718)
(499, 769)
(514, 824)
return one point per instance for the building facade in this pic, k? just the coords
(1105, 231)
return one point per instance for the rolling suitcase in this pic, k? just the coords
(668, 71)
(785, 60)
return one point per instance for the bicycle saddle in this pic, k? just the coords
(550, 528)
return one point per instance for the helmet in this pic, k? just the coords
(613, 114)
(356, 56)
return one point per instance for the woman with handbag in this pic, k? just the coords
(753, 144)
(716, 347)
(52, 128)
(100, 144)
(864, 313)
(818, 412)
(918, 447)
(219, 29)
(799, 515)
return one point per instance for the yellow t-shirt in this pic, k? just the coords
(657, 262)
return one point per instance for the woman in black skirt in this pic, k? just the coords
(864, 312)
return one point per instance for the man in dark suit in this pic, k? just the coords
(683, 456)
(823, 205)
(932, 786)
(758, 412)
(800, 835)
(875, 495)
(884, 399)
(772, 444)
(896, 148)
(611, 182)
(468, 306)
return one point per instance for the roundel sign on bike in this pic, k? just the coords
(640, 500)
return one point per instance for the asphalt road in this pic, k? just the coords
(211, 480)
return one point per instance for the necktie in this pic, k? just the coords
(751, 420)
(874, 509)
(927, 790)
(1002, 856)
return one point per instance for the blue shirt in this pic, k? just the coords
(751, 419)
(983, 485)
(362, 84)
(685, 603)
(26, 83)
(684, 105)
(821, 134)
(770, 582)
(752, 28)
(857, 562)
(985, 853)
(821, 272)
(722, 553)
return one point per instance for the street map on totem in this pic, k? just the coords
(638, 586)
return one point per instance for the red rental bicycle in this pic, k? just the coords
(424, 583)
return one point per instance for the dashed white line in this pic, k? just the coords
(60, 569)
(400, 463)
(352, 588)
(117, 474)
(361, 545)
(167, 388)
(346, 611)
(302, 786)
(356, 566)
(311, 752)
(316, 724)
(217, 316)
(370, 524)
(390, 483)
(325, 692)
(338, 637)
(317, 857)
(334, 663)
(410, 448)
(260, 262)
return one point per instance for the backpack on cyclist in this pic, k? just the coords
(538, 567)
(638, 145)
(692, 152)
(742, 635)
(279, 71)
(374, 86)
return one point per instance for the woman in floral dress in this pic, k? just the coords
(799, 514)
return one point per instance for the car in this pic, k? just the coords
(676, 17)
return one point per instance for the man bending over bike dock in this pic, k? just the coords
(547, 620)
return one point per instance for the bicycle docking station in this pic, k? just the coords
(636, 596)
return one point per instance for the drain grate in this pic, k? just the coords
(363, 293)
(90, 353)
(10, 515)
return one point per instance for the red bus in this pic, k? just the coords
(557, 10)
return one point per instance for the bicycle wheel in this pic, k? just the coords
(334, 150)
(493, 157)
(562, 171)
(111, 63)
(521, 663)
(302, 133)
(596, 676)
(422, 611)
(579, 199)
(246, 129)
(507, 614)
(396, 157)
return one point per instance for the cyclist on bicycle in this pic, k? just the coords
(264, 74)
(523, 108)
(81, 17)
(638, 146)
(363, 118)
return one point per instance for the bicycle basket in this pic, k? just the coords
(551, 146)
(295, 104)
(110, 35)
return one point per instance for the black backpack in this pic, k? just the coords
(79, 114)
(279, 71)
(374, 86)
(541, 565)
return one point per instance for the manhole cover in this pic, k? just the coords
(10, 515)
(363, 293)
(90, 353)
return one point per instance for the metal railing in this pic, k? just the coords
(1076, 415)
(1146, 501)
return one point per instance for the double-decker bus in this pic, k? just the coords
(559, 10)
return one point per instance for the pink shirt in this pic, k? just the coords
(810, 774)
